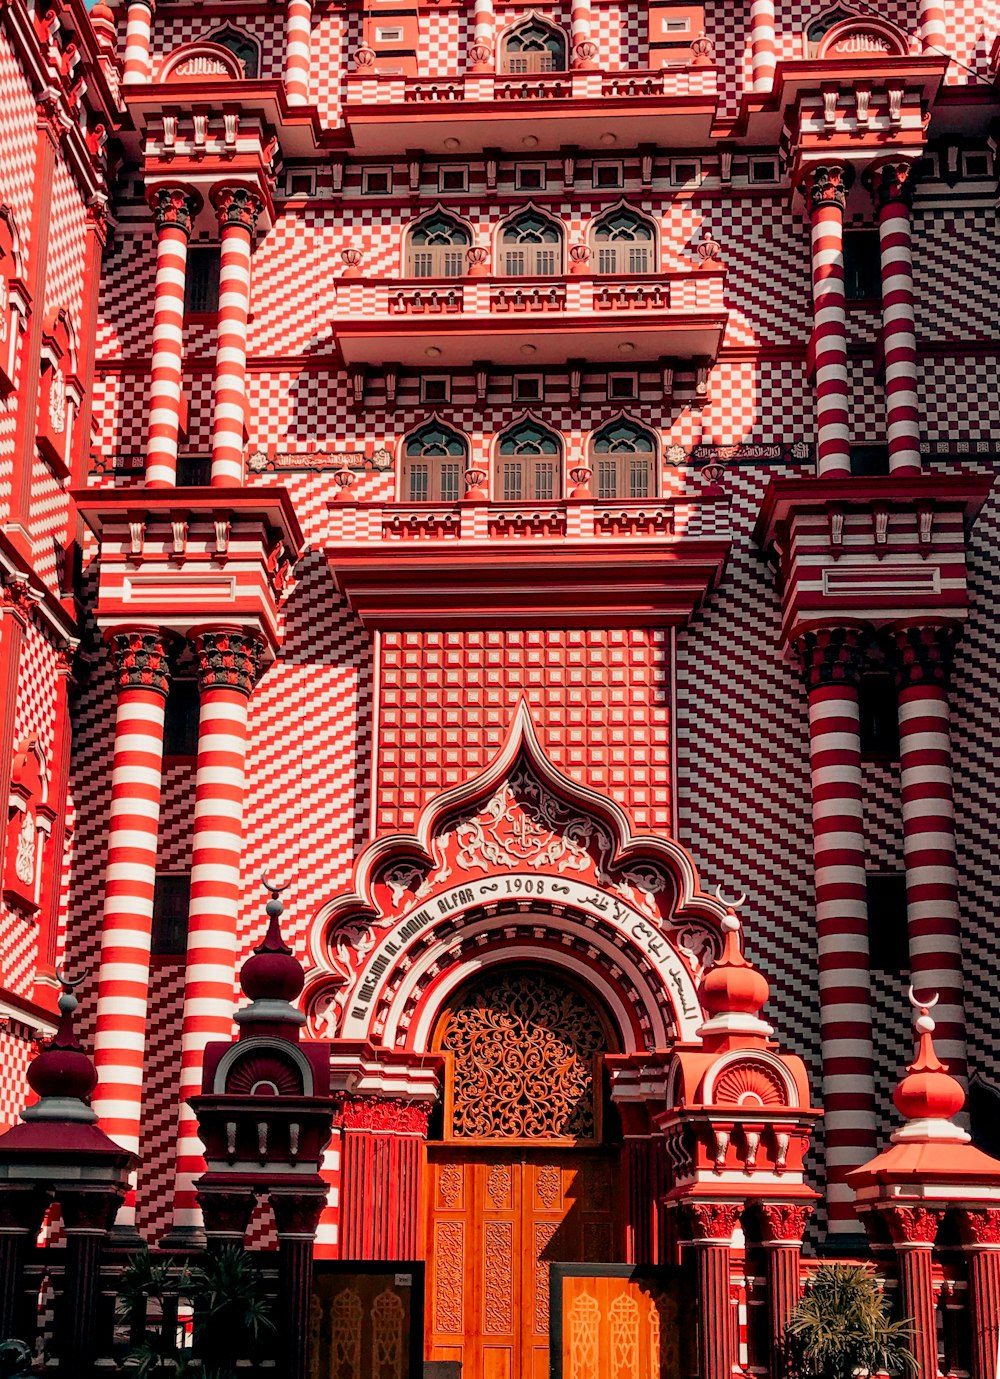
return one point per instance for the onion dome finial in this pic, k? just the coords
(272, 977)
(733, 992)
(63, 1076)
(928, 1096)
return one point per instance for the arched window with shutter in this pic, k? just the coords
(623, 458)
(434, 460)
(623, 242)
(436, 247)
(241, 45)
(529, 464)
(531, 246)
(532, 46)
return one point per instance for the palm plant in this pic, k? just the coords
(230, 1313)
(842, 1328)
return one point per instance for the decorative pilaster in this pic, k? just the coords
(381, 1161)
(228, 665)
(138, 24)
(238, 211)
(298, 44)
(826, 188)
(584, 49)
(980, 1229)
(141, 680)
(481, 51)
(892, 184)
(763, 48)
(831, 664)
(922, 655)
(783, 1225)
(174, 209)
(913, 1231)
(712, 1225)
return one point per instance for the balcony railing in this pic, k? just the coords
(391, 88)
(696, 290)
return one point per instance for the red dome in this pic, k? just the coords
(928, 1092)
(733, 985)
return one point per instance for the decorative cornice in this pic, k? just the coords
(228, 660)
(831, 656)
(141, 661)
(387, 1114)
(923, 654)
(174, 206)
(238, 206)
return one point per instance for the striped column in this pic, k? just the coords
(827, 191)
(141, 677)
(892, 184)
(138, 23)
(923, 659)
(228, 662)
(584, 50)
(481, 51)
(933, 37)
(238, 210)
(298, 43)
(831, 663)
(763, 49)
(174, 210)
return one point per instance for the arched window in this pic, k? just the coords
(533, 46)
(241, 45)
(433, 464)
(436, 248)
(529, 465)
(821, 25)
(624, 462)
(624, 243)
(531, 246)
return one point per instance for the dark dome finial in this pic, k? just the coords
(273, 977)
(62, 1076)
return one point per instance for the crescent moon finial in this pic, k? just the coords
(69, 982)
(929, 1004)
(270, 885)
(730, 904)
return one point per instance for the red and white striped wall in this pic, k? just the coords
(298, 42)
(174, 210)
(227, 669)
(763, 47)
(893, 185)
(238, 210)
(831, 664)
(123, 979)
(138, 23)
(827, 194)
(923, 663)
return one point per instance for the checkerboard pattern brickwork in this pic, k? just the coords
(158, 1130)
(66, 252)
(262, 1231)
(960, 402)
(444, 41)
(48, 521)
(17, 132)
(15, 1055)
(335, 36)
(952, 284)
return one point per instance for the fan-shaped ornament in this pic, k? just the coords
(264, 1073)
(749, 1084)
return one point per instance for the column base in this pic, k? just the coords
(183, 1238)
(125, 1238)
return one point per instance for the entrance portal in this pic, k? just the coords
(520, 1178)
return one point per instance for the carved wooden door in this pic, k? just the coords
(497, 1218)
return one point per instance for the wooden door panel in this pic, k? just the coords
(497, 1220)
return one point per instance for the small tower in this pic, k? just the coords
(265, 1117)
(931, 1170)
(58, 1154)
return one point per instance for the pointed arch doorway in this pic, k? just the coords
(523, 1173)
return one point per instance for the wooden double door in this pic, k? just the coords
(496, 1219)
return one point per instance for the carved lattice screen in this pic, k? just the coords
(524, 1048)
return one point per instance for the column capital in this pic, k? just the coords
(892, 182)
(141, 660)
(226, 1213)
(297, 1213)
(911, 1226)
(922, 653)
(174, 206)
(827, 184)
(228, 658)
(979, 1227)
(784, 1223)
(831, 655)
(713, 1223)
(237, 205)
